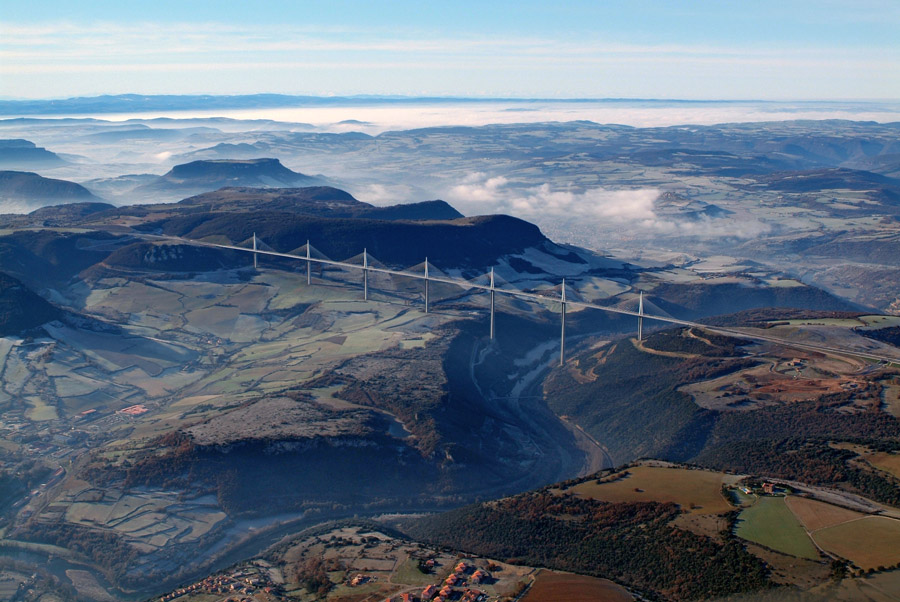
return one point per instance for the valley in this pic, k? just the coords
(449, 301)
(183, 419)
(157, 396)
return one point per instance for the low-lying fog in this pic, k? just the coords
(377, 118)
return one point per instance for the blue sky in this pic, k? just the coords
(602, 49)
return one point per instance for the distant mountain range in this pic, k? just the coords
(22, 154)
(338, 225)
(122, 103)
(22, 191)
(138, 132)
(202, 176)
(139, 102)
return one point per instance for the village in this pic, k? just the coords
(254, 583)
(243, 584)
(360, 564)
(457, 585)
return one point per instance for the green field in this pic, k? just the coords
(408, 572)
(769, 522)
(868, 542)
(880, 321)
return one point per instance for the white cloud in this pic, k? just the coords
(382, 194)
(477, 188)
(480, 193)
(596, 208)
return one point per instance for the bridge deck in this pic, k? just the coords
(534, 297)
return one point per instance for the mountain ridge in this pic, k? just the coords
(205, 175)
(22, 154)
(324, 201)
(26, 191)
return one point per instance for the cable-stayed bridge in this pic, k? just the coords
(557, 294)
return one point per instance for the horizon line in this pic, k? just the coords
(441, 97)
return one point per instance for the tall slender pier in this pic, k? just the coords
(254, 250)
(562, 334)
(365, 275)
(308, 264)
(426, 285)
(641, 317)
(492, 303)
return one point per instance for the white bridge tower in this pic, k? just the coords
(641, 317)
(562, 334)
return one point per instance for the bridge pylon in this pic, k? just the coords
(641, 317)
(426, 285)
(365, 275)
(562, 334)
(492, 303)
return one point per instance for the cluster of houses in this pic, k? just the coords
(240, 584)
(765, 489)
(453, 587)
(54, 438)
